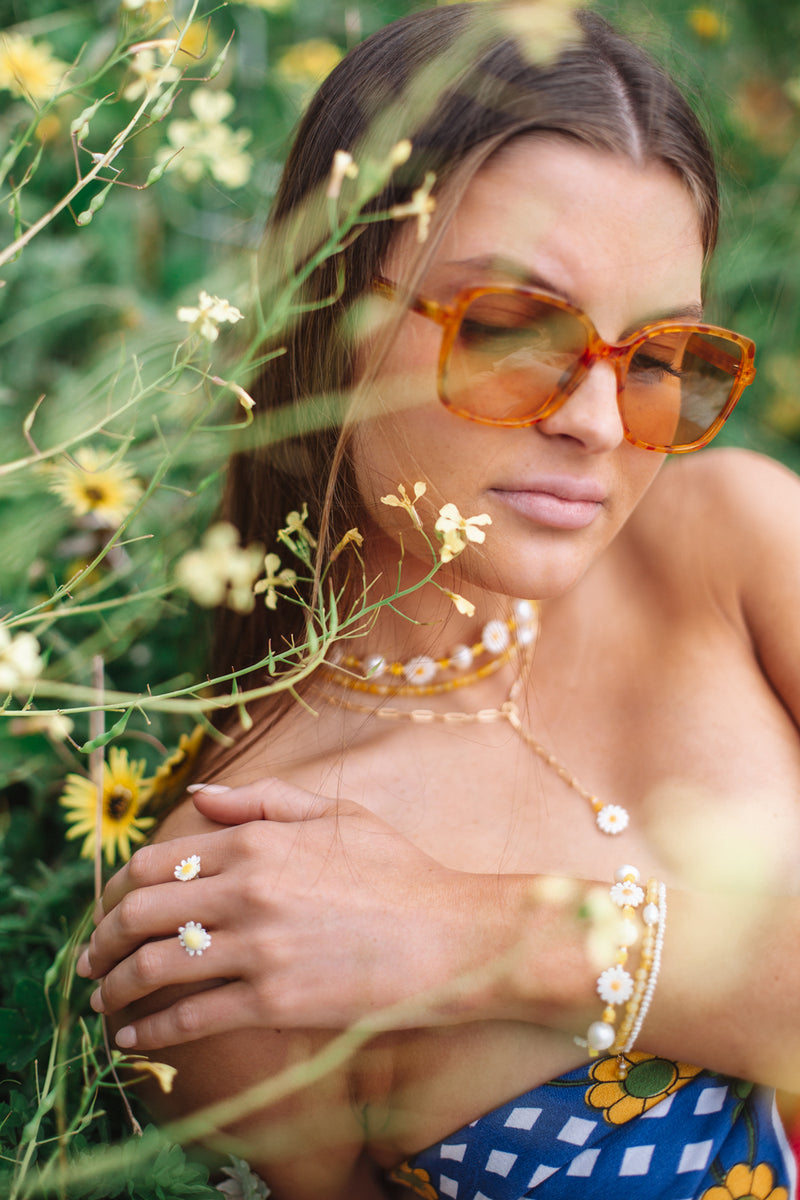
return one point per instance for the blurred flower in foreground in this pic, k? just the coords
(197, 42)
(221, 571)
(147, 72)
(29, 70)
(207, 314)
(207, 145)
(307, 63)
(269, 5)
(708, 24)
(20, 663)
(55, 726)
(783, 410)
(421, 205)
(91, 484)
(123, 797)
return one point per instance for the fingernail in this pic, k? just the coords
(211, 789)
(126, 1037)
(96, 1001)
(83, 966)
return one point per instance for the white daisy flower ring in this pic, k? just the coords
(194, 938)
(188, 868)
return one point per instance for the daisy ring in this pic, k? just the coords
(188, 868)
(194, 938)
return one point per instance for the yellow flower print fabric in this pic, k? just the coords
(663, 1131)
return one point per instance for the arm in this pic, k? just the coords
(727, 996)
(731, 978)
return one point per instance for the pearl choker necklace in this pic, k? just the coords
(420, 676)
(610, 819)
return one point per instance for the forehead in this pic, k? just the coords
(620, 239)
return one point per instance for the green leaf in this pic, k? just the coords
(26, 1027)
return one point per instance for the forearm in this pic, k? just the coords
(728, 992)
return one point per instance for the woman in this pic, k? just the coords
(441, 877)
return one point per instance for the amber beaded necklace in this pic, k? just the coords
(521, 632)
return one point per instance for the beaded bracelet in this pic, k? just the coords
(615, 985)
(655, 918)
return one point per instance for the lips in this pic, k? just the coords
(559, 501)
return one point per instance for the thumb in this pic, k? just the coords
(267, 800)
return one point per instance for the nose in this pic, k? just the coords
(590, 415)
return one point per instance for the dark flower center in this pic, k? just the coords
(118, 802)
(93, 494)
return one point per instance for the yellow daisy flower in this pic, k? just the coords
(708, 24)
(649, 1080)
(123, 796)
(96, 486)
(27, 69)
(307, 63)
(417, 1179)
(169, 782)
(746, 1182)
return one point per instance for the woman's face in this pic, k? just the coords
(618, 241)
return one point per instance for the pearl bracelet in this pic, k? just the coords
(655, 918)
(615, 985)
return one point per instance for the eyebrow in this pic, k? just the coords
(497, 265)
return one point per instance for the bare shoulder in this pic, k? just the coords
(733, 510)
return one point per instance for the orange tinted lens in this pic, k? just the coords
(511, 354)
(678, 383)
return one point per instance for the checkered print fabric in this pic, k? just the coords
(668, 1131)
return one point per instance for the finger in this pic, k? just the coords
(270, 800)
(165, 964)
(157, 863)
(152, 912)
(203, 1014)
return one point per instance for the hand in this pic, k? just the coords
(320, 915)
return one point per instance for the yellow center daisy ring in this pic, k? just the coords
(188, 868)
(194, 938)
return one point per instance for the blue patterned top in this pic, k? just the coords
(668, 1131)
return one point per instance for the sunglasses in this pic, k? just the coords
(512, 356)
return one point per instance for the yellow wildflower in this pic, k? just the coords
(28, 69)
(97, 486)
(708, 24)
(403, 500)
(343, 168)
(296, 527)
(163, 1073)
(206, 315)
(169, 782)
(457, 530)
(307, 63)
(464, 606)
(123, 796)
(275, 578)
(421, 205)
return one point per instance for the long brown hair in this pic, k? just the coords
(457, 81)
